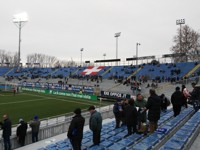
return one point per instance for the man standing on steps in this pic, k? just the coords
(95, 124)
(153, 105)
(177, 100)
(6, 126)
(75, 131)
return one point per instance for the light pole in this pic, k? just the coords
(81, 56)
(104, 55)
(19, 20)
(180, 22)
(137, 44)
(116, 36)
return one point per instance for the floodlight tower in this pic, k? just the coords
(116, 36)
(137, 44)
(180, 22)
(104, 55)
(20, 20)
(81, 55)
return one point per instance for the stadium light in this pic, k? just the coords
(81, 56)
(19, 20)
(180, 22)
(137, 44)
(104, 56)
(116, 36)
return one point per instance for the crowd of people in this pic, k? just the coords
(139, 116)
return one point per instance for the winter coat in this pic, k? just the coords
(22, 129)
(140, 103)
(95, 122)
(35, 125)
(6, 127)
(177, 98)
(131, 115)
(76, 127)
(153, 105)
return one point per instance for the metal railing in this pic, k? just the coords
(54, 126)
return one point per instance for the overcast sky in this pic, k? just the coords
(62, 27)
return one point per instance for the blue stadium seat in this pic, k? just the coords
(117, 146)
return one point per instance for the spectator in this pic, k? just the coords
(177, 101)
(131, 117)
(153, 105)
(141, 103)
(75, 131)
(21, 132)
(35, 126)
(195, 94)
(164, 102)
(95, 124)
(117, 110)
(186, 94)
(6, 127)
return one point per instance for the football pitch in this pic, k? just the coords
(28, 104)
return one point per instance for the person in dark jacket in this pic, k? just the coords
(131, 117)
(164, 102)
(21, 132)
(153, 105)
(75, 131)
(177, 99)
(35, 126)
(95, 124)
(6, 126)
(117, 110)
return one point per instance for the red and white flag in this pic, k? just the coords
(91, 70)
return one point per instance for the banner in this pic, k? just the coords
(61, 93)
(114, 95)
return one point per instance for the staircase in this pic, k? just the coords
(192, 71)
(106, 71)
(136, 71)
(54, 71)
(9, 72)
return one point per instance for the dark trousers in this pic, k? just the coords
(131, 128)
(117, 120)
(177, 110)
(76, 143)
(34, 137)
(7, 144)
(21, 140)
(96, 137)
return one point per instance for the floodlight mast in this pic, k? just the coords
(137, 44)
(180, 22)
(19, 23)
(81, 56)
(116, 36)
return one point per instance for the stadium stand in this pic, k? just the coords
(171, 130)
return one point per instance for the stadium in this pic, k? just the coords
(53, 94)
(125, 68)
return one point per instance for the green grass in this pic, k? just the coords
(26, 105)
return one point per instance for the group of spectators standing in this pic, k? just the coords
(21, 132)
(133, 113)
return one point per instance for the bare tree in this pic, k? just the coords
(42, 59)
(8, 58)
(186, 42)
